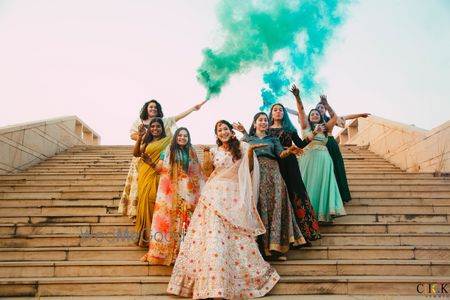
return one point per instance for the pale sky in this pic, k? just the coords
(102, 60)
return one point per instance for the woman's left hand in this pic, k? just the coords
(198, 106)
(295, 150)
(147, 159)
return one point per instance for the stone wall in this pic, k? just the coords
(24, 145)
(412, 149)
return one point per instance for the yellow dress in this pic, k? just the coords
(148, 181)
(129, 197)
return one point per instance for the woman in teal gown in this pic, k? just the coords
(316, 165)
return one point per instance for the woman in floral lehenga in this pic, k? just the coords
(219, 257)
(149, 147)
(282, 128)
(151, 109)
(178, 193)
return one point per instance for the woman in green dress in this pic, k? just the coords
(316, 165)
(333, 148)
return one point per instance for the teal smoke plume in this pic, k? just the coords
(255, 30)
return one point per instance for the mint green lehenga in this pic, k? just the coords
(317, 171)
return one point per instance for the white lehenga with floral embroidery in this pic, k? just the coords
(219, 256)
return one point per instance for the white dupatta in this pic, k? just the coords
(240, 211)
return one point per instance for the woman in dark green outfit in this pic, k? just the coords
(333, 148)
(282, 128)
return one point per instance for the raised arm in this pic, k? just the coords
(333, 116)
(356, 116)
(298, 141)
(302, 119)
(134, 135)
(137, 146)
(208, 166)
(189, 111)
(292, 111)
(239, 127)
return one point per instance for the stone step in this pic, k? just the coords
(61, 182)
(66, 228)
(51, 202)
(328, 239)
(415, 205)
(106, 175)
(42, 188)
(104, 218)
(369, 182)
(62, 195)
(382, 239)
(365, 171)
(83, 169)
(359, 163)
(398, 209)
(399, 201)
(402, 175)
(157, 285)
(393, 218)
(114, 228)
(107, 185)
(56, 210)
(75, 192)
(385, 228)
(92, 156)
(305, 253)
(62, 177)
(401, 194)
(63, 214)
(99, 159)
(60, 166)
(288, 268)
(91, 171)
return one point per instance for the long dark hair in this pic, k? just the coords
(286, 123)
(252, 130)
(173, 148)
(322, 121)
(148, 138)
(233, 143)
(144, 112)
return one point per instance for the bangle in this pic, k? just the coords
(206, 150)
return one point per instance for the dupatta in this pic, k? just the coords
(235, 181)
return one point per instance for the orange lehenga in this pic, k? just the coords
(178, 194)
(219, 256)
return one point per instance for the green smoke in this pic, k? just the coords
(254, 31)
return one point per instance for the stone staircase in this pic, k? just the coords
(61, 235)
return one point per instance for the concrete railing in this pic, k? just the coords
(411, 148)
(24, 145)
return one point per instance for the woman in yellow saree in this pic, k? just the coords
(150, 110)
(149, 147)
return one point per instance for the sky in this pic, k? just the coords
(101, 60)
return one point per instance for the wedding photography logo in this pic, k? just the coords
(125, 235)
(434, 289)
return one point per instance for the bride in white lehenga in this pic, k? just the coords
(219, 257)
